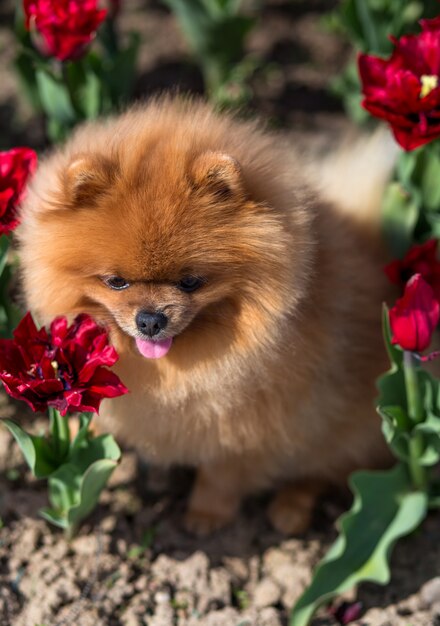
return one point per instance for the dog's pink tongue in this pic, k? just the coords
(153, 349)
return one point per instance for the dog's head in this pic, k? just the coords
(165, 244)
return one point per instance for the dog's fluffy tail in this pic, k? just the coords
(354, 177)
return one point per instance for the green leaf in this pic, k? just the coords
(85, 88)
(385, 508)
(26, 73)
(10, 313)
(406, 166)
(433, 221)
(412, 12)
(120, 74)
(64, 487)
(398, 416)
(391, 402)
(195, 20)
(430, 182)
(24, 441)
(400, 212)
(73, 494)
(230, 6)
(398, 437)
(369, 27)
(4, 249)
(430, 431)
(394, 352)
(87, 451)
(56, 131)
(395, 430)
(55, 99)
(37, 451)
(398, 428)
(93, 482)
(53, 516)
(75, 487)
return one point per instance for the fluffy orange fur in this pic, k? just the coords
(270, 379)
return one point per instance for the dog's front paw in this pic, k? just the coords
(215, 499)
(203, 523)
(288, 519)
(290, 512)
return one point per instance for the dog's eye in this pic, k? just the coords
(190, 283)
(116, 282)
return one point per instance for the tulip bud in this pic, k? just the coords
(415, 316)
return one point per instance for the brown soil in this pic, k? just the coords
(132, 563)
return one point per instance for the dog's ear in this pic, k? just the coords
(87, 177)
(218, 172)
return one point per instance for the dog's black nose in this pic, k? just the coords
(151, 324)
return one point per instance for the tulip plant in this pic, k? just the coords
(71, 62)
(61, 371)
(368, 25)
(404, 90)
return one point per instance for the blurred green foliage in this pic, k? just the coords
(216, 32)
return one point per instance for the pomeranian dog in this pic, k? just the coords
(246, 308)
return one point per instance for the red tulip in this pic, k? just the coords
(415, 316)
(404, 89)
(65, 28)
(63, 368)
(420, 259)
(16, 166)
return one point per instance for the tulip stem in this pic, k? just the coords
(414, 401)
(59, 430)
(416, 413)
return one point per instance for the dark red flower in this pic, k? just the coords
(433, 24)
(63, 368)
(16, 166)
(63, 28)
(346, 612)
(415, 316)
(404, 90)
(420, 259)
